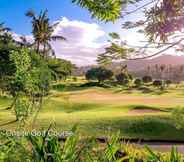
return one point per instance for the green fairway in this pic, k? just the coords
(99, 111)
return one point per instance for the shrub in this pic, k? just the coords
(123, 78)
(157, 83)
(168, 82)
(130, 77)
(101, 74)
(74, 79)
(147, 79)
(138, 82)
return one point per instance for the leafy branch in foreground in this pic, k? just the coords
(119, 50)
(105, 10)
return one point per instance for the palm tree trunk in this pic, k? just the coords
(44, 51)
(38, 47)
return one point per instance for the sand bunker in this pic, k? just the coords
(144, 111)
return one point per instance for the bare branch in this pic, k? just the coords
(157, 53)
(138, 8)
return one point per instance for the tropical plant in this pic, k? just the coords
(60, 68)
(43, 33)
(28, 83)
(51, 148)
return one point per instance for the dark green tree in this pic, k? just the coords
(123, 78)
(138, 82)
(60, 68)
(99, 73)
(147, 79)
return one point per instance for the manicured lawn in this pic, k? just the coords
(101, 111)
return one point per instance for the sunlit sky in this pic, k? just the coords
(86, 37)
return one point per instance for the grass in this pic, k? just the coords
(99, 111)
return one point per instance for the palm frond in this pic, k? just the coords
(30, 13)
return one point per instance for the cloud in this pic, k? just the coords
(17, 37)
(82, 45)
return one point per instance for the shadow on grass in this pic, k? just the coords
(69, 107)
(158, 128)
(81, 107)
(77, 87)
(143, 107)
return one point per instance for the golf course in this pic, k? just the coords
(99, 111)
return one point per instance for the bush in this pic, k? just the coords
(168, 82)
(138, 82)
(123, 78)
(74, 79)
(147, 79)
(130, 77)
(101, 74)
(157, 83)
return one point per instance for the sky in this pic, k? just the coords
(86, 37)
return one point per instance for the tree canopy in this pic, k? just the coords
(99, 73)
(105, 10)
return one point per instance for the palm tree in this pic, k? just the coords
(43, 33)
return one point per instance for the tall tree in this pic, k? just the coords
(43, 33)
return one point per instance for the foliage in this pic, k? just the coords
(49, 148)
(178, 114)
(116, 51)
(168, 82)
(13, 149)
(123, 78)
(7, 67)
(22, 63)
(164, 19)
(138, 82)
(99, 73)
(147, 79)
(60, 68)
(157, 83)
(43, 33)
(102, 9)
(29, 83)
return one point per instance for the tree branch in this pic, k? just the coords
(157, 53)
(138, 8)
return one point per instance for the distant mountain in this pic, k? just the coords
(139, 67)
(136, 65)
